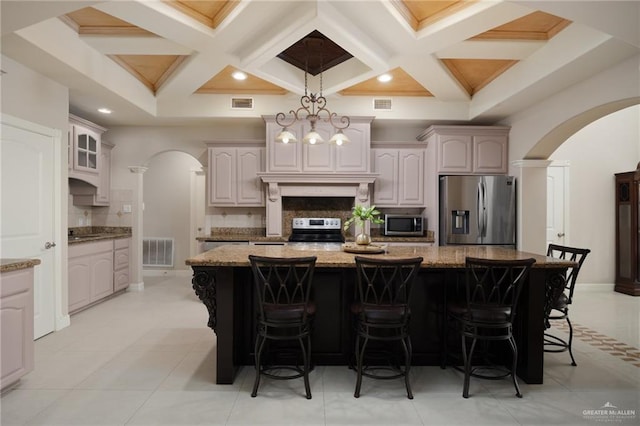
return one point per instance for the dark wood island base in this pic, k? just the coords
(222, 280)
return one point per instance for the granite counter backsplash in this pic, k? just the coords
(79, 231)
(83, 234)
(259, 234)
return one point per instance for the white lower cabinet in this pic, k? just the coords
(121, 264)
(16, 319)
(96, 271)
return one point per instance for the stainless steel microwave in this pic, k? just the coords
(399, 225)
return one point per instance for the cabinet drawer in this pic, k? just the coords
(121, 259)
(121, 279)
(121, 243)
(85, 249)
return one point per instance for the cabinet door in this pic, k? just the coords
(101, 275)
(385, 163)
(86, 152)
(222, 176)
(249, 186)
(354, 156)
(79, 282)
(284, 157)
(103, 192)
(318, 157)
(490, 154)
(16, 321)
(455, 154)
(411, 177)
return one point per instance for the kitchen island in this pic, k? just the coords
(222, 280)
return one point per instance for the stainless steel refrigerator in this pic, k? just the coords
(478, 210)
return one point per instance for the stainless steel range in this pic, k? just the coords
(316, 230)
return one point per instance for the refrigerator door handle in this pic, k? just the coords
(479, 208)
(483, 198)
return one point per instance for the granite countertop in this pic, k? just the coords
(331, 255)
(259, 235)
(87, 234)
(8, 265)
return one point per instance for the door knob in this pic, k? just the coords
(560, 234)
(49, 245)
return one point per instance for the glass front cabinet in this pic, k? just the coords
(84, 150)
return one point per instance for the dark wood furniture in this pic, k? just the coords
(627, 232)
(223, 282)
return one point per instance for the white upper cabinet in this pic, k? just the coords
(89, 164)
(283, 157)
(319, 158)
(84, 150)
(455, 154)
(490, 154)
(469, 149)
(401, 177)
(232, 176)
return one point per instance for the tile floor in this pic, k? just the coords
(148, 358)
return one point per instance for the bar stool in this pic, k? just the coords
(284, 312)
(559, 295)
(487, 313)
(382, 314)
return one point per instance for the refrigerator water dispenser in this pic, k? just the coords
(460, 221)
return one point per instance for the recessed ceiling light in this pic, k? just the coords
(104, 110)
(384, 78)
(239, 75)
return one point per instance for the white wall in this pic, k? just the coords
(167, 200)
(32, 97)
(607, 146)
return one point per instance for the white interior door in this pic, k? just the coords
(557, 208)
(27, 208)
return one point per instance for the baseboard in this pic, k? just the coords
(594, 287)
(136, 286)
(63, 322)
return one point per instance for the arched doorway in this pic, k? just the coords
(173, 190)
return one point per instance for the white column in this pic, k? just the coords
(137, 281)
(531, 181)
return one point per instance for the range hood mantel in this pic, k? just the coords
(319, 178)
(281, 185)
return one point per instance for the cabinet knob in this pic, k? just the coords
(49, 245)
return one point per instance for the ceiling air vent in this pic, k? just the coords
(241, 103)
(382, 104)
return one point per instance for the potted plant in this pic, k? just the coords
(361, 214)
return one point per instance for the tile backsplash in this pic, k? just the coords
(111, 215)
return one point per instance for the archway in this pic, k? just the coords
(596, 143)
(172, 181)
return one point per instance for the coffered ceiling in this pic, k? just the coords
(170, 61)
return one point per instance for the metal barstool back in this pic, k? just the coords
(492, 291)
(559, 295)
(382, 314)
(284, 312)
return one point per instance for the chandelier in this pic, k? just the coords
(314, 109)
